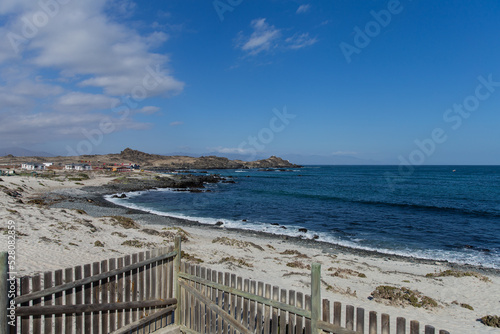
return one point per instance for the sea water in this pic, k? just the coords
(434, 212)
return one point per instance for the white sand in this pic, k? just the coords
(53, 238)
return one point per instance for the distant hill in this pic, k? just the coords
(22, 152)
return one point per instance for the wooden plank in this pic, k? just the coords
(251, 322)
(315, 296)
(154, 268)
(197, 306)
(220, 296)
(337, 313)
(119, 292)
(112, 295)
(81, 308)
(275, 315)
(442, 331)
(349, 314)
(134, 313)
(307, 321)
(283, 314)
(360, 320)
(84, 281)
(78, 300)
(165, 282)
(104, 298)
(47, 300)
(429, 329)
(5, 290)
(233, 300)
(58, 280)
(128, 289)
(175, 278)
(372, 325)
(141, 312)
(69, 300)
(25, 289)
(326, 310)
(215, 294)
(400, 325)
(239, 300)
(143, 321)
(222, 313)
(147, 287)
(386, 324)
(96, 268)
(267, 310)
(186, 299)
(246, 304)
(170, 288)
(260, 308)
(299, 324)
(37, 320)
(205, 317)
(292, 317)
(87, 293)
(414, 327)
(158, 282)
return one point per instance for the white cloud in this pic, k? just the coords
(263, 37)
(177, 123)
(344, 153)
(303, 9)
(232, 150)
(68, 74)
(299, 41)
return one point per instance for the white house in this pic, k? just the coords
(48, 164)
(32, 166)
(83, 167)
(69, 166)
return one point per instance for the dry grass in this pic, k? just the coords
(299, 265)
(345, 273)
(402, 297)
(237, 243)
(295, 253)
(456, 273)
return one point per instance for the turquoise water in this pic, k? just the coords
(438, 212)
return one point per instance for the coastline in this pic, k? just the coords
(49, 232)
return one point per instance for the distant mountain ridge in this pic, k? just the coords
(22, 152)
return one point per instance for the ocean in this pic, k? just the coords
(435, 212)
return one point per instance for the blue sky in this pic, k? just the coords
(386, 82)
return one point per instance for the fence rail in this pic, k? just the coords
(139, 293)
(131, 293)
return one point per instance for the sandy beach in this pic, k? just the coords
(62, 223)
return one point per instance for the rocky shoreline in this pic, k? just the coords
(92, 201)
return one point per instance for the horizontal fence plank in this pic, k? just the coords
(273, 303)
(142, 321)
(61, 309)
(90, 279)
(334, 328)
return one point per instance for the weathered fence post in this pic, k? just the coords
(4, 299)
(315, 297)
(177, 270)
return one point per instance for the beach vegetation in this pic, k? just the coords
(119, 234)
(345, 273)
(335, 289)
(125, 222)
(403, 296)
(270, 247)
(138, 244)
(295, 253)
(98, 243)
(13, 211)
(190, 258)
(299, 265)
(80, 211)
(179, 231)
(36, 201)
(236, 261)
(456, 273)
(491, 320)
(237, 243)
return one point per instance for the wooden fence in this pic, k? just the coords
(223, 303)
(141, 292)
(133, 293)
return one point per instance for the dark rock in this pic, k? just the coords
(275, 224)
(228, 181)
(243, 220)
(303, 230)
(219, 224)
(315, 237)
(283, 227)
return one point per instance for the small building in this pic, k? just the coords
(33, 166)
(48, 164)
(121, 169)
(79, 167)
